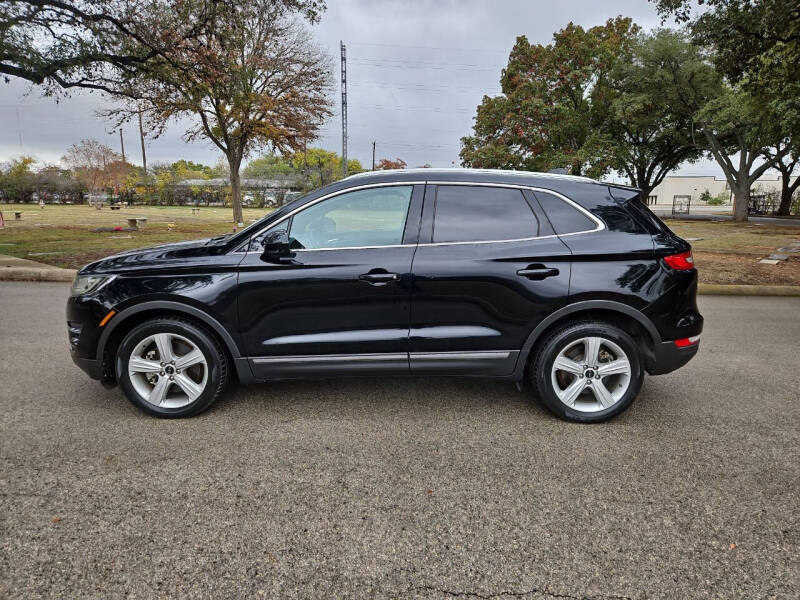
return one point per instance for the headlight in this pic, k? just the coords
(85, 284)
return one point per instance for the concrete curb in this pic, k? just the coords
(711, 289)
(36, 274)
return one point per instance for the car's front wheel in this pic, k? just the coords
(587, 371)
(171, 367)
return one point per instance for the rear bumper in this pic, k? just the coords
(666, 357)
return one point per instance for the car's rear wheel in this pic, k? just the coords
(171, 367)
(587, 371)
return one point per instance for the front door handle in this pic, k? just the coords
(537, 272)
(379, 278)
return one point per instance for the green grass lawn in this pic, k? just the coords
(64, 236)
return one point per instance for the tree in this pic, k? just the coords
(385, 164)
(270, 166)
(319, 167)
(94, 164)
(545, 117)
(647, 134)
(738, 129)
(756, 42)
(787, 167)
(254, 81)
(756, 47)
(16, 180)
(93, 44)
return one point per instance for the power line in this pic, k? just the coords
(481, 50)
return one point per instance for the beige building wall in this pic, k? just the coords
(694, 186)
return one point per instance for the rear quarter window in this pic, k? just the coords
(564, 217)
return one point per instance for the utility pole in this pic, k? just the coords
(373, 155)
(19, 130)
(122, 144)
(141, 136)
(344, 108)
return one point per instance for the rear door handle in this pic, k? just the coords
(537, 273)
(378, 278)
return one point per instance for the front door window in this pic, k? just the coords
(372, 217)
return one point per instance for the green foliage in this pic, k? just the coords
(546, 115)
(705, 196)
(756, 46)
(93, 44)
(645, 122)
(186, 169)
(718, 200)
(16, 180)
(270, 166)
(319, 167)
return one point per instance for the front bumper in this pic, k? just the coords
(90, 366)
(666, 357)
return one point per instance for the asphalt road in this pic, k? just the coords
(427, 488)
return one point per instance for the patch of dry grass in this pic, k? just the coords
(64, 236)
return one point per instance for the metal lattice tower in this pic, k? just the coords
(344, 108)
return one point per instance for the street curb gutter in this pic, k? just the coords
(36, 274)
(711, 289)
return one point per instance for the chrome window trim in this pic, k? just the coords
(600, 225)
(331, 195)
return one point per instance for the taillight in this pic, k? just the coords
(680, 262)
(685, 342)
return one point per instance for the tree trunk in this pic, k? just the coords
(236, 193)
(787, 191)
(144, 153)
(741, 201)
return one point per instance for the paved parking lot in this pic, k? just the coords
(427, 488)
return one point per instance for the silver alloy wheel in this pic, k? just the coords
(591, 374)
(168, 370)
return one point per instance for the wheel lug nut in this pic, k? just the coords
(162, 372)
(178, 371)
(171, 378)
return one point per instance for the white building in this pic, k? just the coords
(682, 190)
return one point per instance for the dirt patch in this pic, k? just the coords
(724, 268)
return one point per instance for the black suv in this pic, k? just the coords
(564, 282)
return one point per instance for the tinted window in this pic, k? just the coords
(371, 217)
(481, 214)
(618, 219)
(564, 217)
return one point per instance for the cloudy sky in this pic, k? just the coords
(416, 70)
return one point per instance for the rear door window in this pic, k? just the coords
(482, 214)
(564, 217)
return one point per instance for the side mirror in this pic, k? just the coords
(275, 246)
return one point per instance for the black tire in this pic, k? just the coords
(542, 363)
(216, 363)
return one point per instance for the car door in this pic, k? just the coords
(488, 269)
(341, 301)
